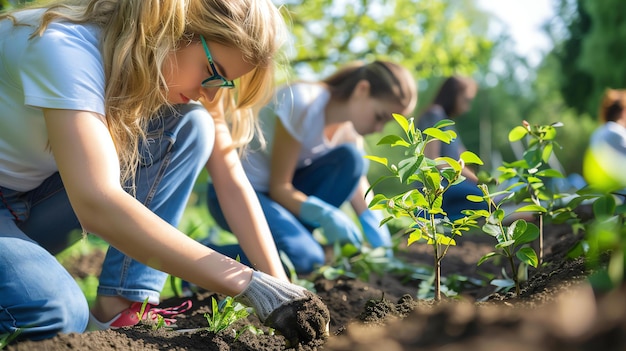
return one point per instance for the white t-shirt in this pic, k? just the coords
(300, 108)
(63, 69)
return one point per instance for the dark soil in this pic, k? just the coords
(557, 310)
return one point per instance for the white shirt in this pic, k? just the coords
(300, 108)
(63, 69)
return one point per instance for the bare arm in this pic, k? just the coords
(284, 158)
(240, 205)
(88, 164)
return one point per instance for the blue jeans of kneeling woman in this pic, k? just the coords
(37, 295)
(332, 178)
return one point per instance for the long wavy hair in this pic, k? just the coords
(137, 36)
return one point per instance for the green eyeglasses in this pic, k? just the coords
(216, 80)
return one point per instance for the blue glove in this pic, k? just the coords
(337, 226)
(376, 235)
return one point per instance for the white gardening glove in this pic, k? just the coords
(292, 310)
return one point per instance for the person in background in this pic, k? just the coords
(604, 164)
(102, 132)
(308, 160)
(453, 99)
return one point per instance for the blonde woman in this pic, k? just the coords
(102, 131)
(313, 161)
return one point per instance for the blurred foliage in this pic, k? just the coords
(591, 55)
(430, 37)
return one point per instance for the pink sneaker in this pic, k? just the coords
(130, 316)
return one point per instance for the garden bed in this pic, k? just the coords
(557, 310)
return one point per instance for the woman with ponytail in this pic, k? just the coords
(309, 161)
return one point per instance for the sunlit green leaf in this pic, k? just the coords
(393, 140)
(475, 198)
(438, 134)
(528, 256)
(549, 172)
(471, 158)
(381, 160)
(402, 121)
(517, 133)
(456, 166)
(414, 236)
(531, 208)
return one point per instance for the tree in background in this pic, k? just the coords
(431, 37)
(592, 55)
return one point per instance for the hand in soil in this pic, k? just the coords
(292, 310)
(301, 321)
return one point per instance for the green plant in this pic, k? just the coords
(5, 339)
(511, 240)
(155, 325)
(530, 176)
(604, 244)
(349, 261)
(428, 180)
(224, 314)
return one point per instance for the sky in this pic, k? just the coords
(523, 19)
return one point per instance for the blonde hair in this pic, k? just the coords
(612, 105)
(387, 80)
(138, 35)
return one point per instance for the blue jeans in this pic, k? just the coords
(36, 293)
(332, 178)
(455, 199)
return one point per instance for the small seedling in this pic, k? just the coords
(155, 325)
(532, 173)
(224, 314)
(349, 261)
(5, 339)
(511, 240)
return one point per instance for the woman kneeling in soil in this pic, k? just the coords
(313, 162)
(91, 138)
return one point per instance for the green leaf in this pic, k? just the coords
(444, 240)
(438, 134)
(382, 160)
(547, 152)
(414, 236)
(517, 133)
(485, 258)
(529, 234)
(549, 133)
(475, 198)
(505, 244)
(407, 168)
(553, 173)
(491, 229)
(531, 208)
(528, 256)
(451, 162)
(471, 158)
(393, 140)
(444, 123)
(402, 121)
(604, 206)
